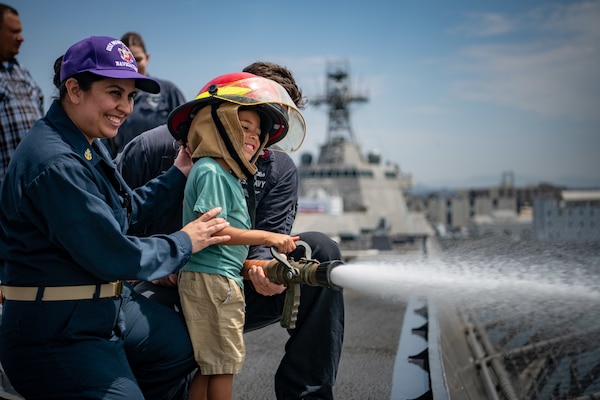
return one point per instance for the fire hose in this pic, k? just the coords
(292, 273)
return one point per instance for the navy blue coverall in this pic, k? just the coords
(309, 367)
(64, 217)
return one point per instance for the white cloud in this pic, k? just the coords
(485, 24)
(556, 72)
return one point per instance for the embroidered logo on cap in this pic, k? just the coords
(125, 54)
(127, 57)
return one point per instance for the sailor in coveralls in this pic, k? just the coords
(70, 327)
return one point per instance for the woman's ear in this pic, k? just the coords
(73, 90)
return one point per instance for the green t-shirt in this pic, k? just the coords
(209, 186)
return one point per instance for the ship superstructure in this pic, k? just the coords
(350, 196)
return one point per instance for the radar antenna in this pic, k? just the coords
(338, 97)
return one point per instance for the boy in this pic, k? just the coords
(230, 122)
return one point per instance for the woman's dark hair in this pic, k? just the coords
(84, 79)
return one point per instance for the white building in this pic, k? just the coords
(576, 217)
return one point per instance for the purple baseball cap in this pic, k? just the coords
(105, 56)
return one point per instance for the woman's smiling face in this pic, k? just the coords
(103, 108)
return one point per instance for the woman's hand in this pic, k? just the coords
(183, 161)
(202, 229)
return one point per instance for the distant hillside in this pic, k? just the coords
(486, 181)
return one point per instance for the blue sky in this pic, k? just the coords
(459, 91)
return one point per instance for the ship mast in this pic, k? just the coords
(338, 98)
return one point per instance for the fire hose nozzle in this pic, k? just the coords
(305, 270)
(318, 274)
(292, 273)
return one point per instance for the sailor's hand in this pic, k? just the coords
(261, 282)
(168, 281)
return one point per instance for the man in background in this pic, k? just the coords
(309, 367)
(21, 99)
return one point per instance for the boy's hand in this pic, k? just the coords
(284, 243)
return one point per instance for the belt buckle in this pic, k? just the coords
(118, 288)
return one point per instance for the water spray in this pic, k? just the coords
(292, 273)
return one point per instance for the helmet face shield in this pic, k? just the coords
(295, 134)
(289, 127)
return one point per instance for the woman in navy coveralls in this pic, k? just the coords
(68, 329)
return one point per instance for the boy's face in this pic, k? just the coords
(250, 122)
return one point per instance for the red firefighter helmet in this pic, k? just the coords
(280, 118)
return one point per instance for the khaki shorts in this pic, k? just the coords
(214, 310)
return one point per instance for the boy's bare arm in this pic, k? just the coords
(253, 237)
